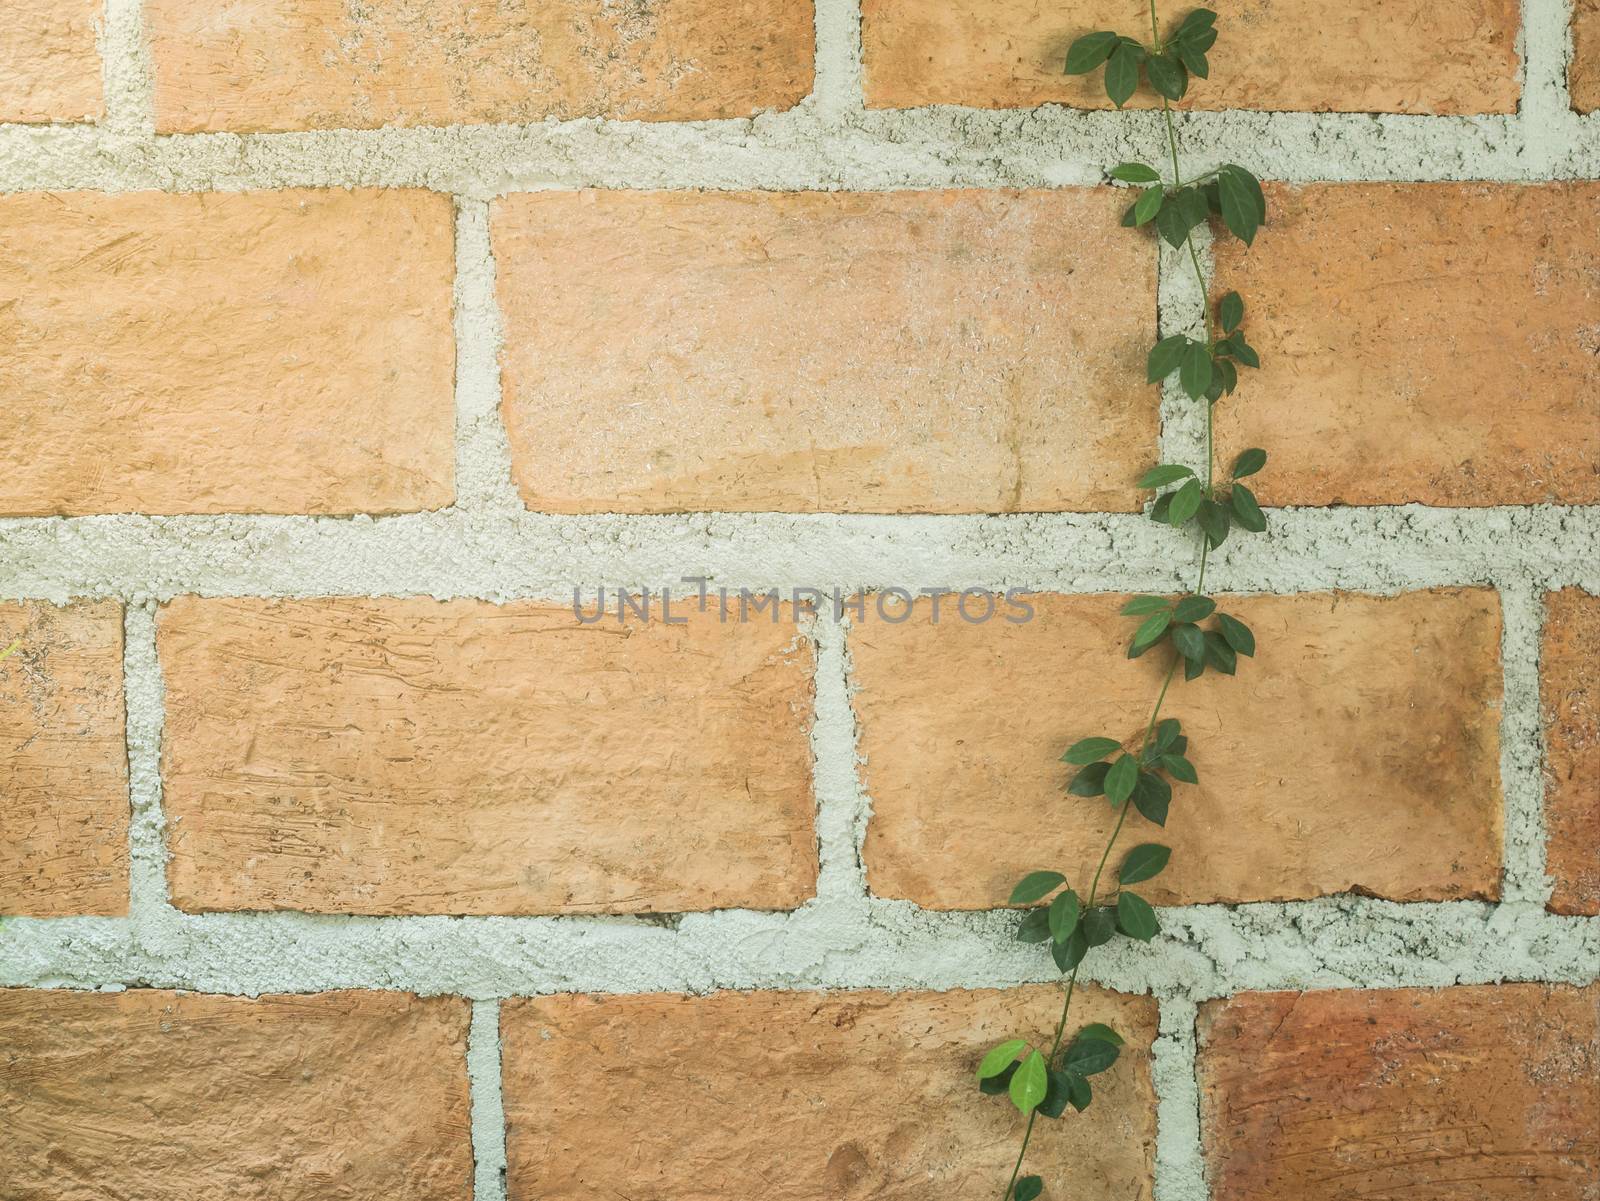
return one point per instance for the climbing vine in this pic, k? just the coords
(1139, 773)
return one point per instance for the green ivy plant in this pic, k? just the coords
(1139, 773)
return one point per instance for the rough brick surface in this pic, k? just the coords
(1583, 73)
(803, 1096)
(1358, 750)
(1422, 342)
(950, 351)
(63, 763)
(1486, 1093)
(316, 64)
(415, 756)
(167, 1096)
(279, 352)
(1569, 683)
(49, 66)
(1401, 56)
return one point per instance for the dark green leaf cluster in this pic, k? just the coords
(1178, 622)
(1206, 368)
(1049, 1084)
(1167, 66)
(1216, 510)
(1142, 777)
(1230, 192)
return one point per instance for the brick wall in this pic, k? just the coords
(342, 859)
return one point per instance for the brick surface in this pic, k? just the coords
(415, 756)
(278, 352)
(1583, 73)
(49, 65)
(953, 351)
(1358, 750)
(166, 1096)
(1422, 342)
(317, 64)
(1400, 56)
(1569, 682)
(805, 1096)
(1485, 1092)
(63, 762)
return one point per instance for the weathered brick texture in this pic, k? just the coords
(1484, 1092)
(1400, 56)
(162, 1096)
(953, 351)
(417, 756)
(1570, 691)
(797, 1096)
(1422, 342)
(1358, 750)
(49, 66)
(319, 64)
(277, 352)
(63, 763)
(1583, 73)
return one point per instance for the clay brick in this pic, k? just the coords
(1583, 74)
(952, 351)
(1359, 750)
(1422, 342)
(63, 761)
(807, 1096)
(416, 756)
(1392, 56)
(163, 1096)
(1569, 687)
(273, 352)
(1483, 1092)
(49, 64)
(319, 64)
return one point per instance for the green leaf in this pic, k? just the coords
(1193, 58)
(1079, 1093)
(1194, 371)
(1138, 606)
(1152, 798)
(1213, 518)
(1179, 768)
(1029, 1084)
(1000, 1057)
(1193, 669)
(1135, 173)
(1196, 22)
(1231, 311)
(1056, 1095)
(1034, 926)
(1145, 860)
(1171, 225)
(1135, 918)
(1102, 1032)
(1219, 654)
(1239, 211)
(1027, 1189)
(995, 1085)
(1247, 511)
(1243, 351)
(1087, 1056)
(1069, 954)
(1192, 204)
(1167, 75)
(1122, 73)
(1035, 885)
(1191, 643)
(1167, 731)
(1124, 774)
(1152, 628)
(1166, 473)
(1148, 206)
(1164, 358)
(1229, 375)
(1194, 608)
(1185, 502)
(1091, 781)
(1161, 510)
(1089, 51)
(1249, 462)
(1238, 635)
(1063, 916)
(1098, 926)
(1090, 749)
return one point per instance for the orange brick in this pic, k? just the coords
(63, 761)
(1399, 56)
(318, 64)
(1583, 74)
(1358, 750)
(274, 352)
(807, 1096)
(164, 1096)
(1485, 1092)
(49, 64)
(415, 756)
(954, 351)
(1422, 342)
(1569, 686)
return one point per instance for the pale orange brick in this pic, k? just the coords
(63, 761)
(319, 64)
(1485, 1092)
(1434, 343)
(49, 64)
(417, 756)
(1583, 74)
(1396, 56)
(1569, 687)
(274, 352)
(955, 351)
(1358, 750)
(807, 1096)
(164, 1096)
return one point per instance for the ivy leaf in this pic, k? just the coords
(1122, 72)
(1193, 57)
(1164, 358)
(1238, 635)
(1087, 1056)
(1088, 750)
(1148, 206)
(1034, 886)
(1167, 75)
(1055, 1095)
(1079, 1093)
(1193, 669)
(1135, 173)
(1089, 51)
(1191, 643)
(1144, 861)
(1239, 211)
(1027, 1188)
(1192, 204)
(1069, 954)
(1194, 370)
(1179, 768)
(1098, 926)
(1034, 926)
(1167, 731)
(1166, 473)
(1231, 310)
(1135, 918)
(1171, 224)
(1185, 502)
(1247, 511)
(1124, 774)
(1219, 654)
(1152, 798)
(1091, 781)
(1243, 351)
(1161, 510)
(1152, 628)
(1228, 374)
(1195, 23)
(993, 1086)
(1249, 462)
(1063, 916)
(1029, 1084)
(1213, 518)
(1000, 1057)
(1102, 1032)
(1194, 608)
(1138, 606)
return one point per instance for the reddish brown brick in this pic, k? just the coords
(806, 1096)
(1485, 1092)
(49, 65)
(163, 1096)
(1359, 750)
(1583, 74)
(63, 761)
(954, 351)
(1569, 686)
(416, 756)
(1422, 342)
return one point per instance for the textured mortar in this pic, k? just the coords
(487, 546)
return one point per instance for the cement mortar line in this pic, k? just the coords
(1551, 130)
(1181, 309)
(483, 455)
(842, 805)
(1522, 745)
(1180, 1159)
(488, 1104)
(144, 699)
